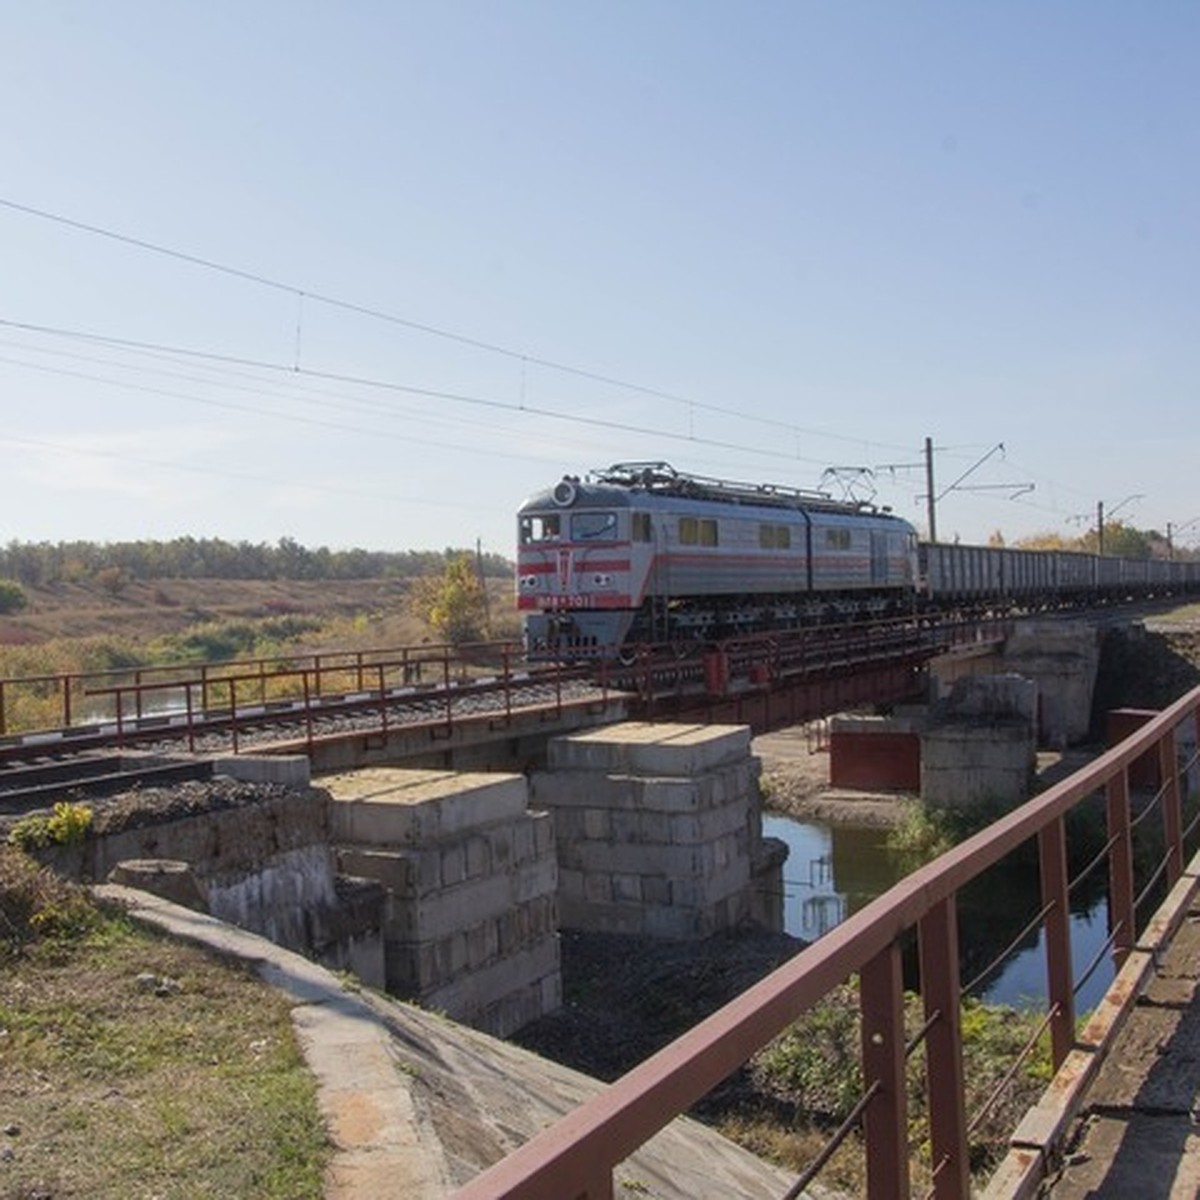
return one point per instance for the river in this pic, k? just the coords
(832, 870)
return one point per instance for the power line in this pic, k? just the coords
(307, 395)
(526, 359)
(303, 295)
(407, 389)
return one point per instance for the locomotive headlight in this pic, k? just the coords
(529, 583)
(602, 581)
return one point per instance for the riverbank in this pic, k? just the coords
(795, 783)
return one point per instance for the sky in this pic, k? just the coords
(369, 274)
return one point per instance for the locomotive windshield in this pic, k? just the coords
(593, 526)
(540, 528)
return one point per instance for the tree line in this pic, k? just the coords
(38, 564)
(1120, 541)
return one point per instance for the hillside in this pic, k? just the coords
(351, 613)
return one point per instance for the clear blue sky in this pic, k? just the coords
(813, 234)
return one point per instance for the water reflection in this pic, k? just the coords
(833, 870)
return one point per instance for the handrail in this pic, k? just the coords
(164, 676)
(576, 1156)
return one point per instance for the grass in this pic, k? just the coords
(67, 635)
(813, 1076)
(1184, 614)
(134, 1066)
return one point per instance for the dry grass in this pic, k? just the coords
(133, 1066)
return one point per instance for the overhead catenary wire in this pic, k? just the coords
(526, 359)
(308, 296)
(408, 389)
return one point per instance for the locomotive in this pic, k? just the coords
(640, 553)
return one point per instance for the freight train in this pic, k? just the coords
(641, 553)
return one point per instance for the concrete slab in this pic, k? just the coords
(1134, 1155)
(1140, 1135)
(292, 770)
(416, 1105)
(394, 806)
(647, 749)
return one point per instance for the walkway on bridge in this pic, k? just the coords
(1139, 1133)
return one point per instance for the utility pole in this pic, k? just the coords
(1100, 528)
(930, 501)
(1172, 531)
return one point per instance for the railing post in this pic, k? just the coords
(1052, 855)
(1168, 773)
(886, 1117)
(308, 717)
(938, 937)
(3, 713)
(1121, 915)
(66, 682)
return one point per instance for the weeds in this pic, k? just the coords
(814, 1069)
(118, 1089)
(67, 825)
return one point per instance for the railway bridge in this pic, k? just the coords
(582, 1155)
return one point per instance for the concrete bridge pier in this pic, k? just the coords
(470, 922)
(1061, 658)
(659, 831)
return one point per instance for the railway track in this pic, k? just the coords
(275, 705)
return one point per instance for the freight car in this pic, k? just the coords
(640, 552)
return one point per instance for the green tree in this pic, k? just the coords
(12, 596)
(454, 603)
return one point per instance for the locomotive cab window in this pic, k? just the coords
(594, 527)
(837, 539)
(540, 529)
(775, 537)
(697, 531)
(640, 531)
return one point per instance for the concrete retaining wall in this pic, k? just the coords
(266, 867)
(658, 828)
(471, 921)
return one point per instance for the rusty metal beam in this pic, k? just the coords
(940, 988)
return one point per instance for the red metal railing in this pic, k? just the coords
(661, 675)
(64, 698)
(575, 1157)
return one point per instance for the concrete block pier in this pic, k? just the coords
(658, 828)
(471, 920)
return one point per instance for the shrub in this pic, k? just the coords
(12, 596)
(111, 579)
(36, 903)
(65, 826)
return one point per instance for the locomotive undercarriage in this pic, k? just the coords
(592, 634)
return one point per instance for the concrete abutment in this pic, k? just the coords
(449, 888)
